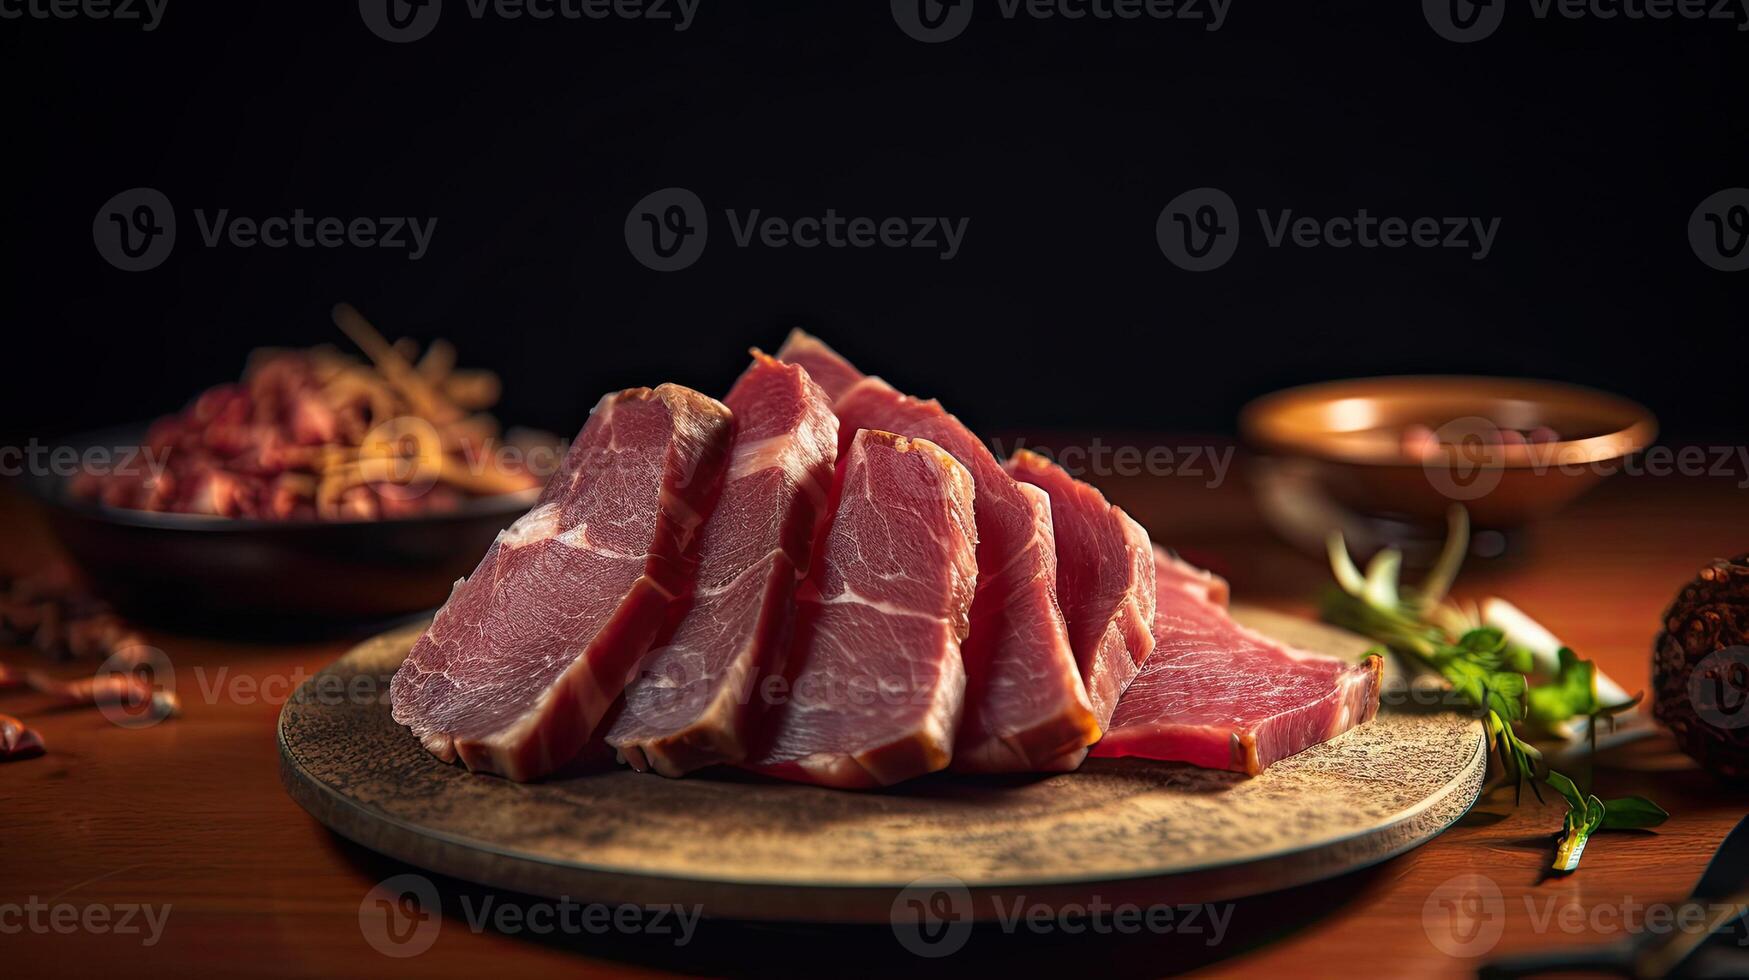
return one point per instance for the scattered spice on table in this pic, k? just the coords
(17, 741)
(48, 610)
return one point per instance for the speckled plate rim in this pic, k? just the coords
(474, 859)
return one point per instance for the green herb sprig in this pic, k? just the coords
(1489, 672)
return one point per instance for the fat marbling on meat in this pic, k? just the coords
(1222, 696)
(698, 693)
(1105, 580)
(521, 663)
(875, 683)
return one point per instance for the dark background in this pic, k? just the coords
(529, 140)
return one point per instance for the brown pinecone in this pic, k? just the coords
(1700, 668)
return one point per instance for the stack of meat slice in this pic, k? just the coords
(1026, 706)
(1105, 580)
(529, 652)
(693, 703)
(1222, 696)
(876, 684)
(833, 582)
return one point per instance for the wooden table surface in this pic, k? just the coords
(190, 814)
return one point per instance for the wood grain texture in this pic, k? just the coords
(192, 813)
(823, 854)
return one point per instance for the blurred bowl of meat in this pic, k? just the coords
(318, 491)
(1510, 450)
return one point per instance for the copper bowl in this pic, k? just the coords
(1466, 448)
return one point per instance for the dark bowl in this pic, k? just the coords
(221, 574)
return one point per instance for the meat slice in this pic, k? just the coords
(826, 366)
(1105, 580)
(875, 684)
(1027, 709)
(692, 703)
(521, 663)
(1222, 696)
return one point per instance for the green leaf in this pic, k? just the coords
(1518, 659)
(1505, 695)
(1482, 640)
(1507, 684)
(1490, 672)
(1632, 813)
(1565, 787)
(1571, 694)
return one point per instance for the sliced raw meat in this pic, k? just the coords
(1027, 709)
(1105, 580)
(1174, 572)
(692, 702)
(875, 682)
(528, 653)
(826, 366)
(1222, 696)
